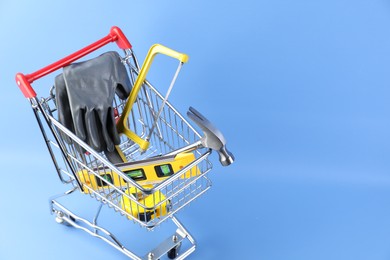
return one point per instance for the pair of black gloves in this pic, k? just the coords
(85, 92)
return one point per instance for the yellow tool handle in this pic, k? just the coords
(153, 51)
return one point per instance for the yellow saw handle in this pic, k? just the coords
(153, 51)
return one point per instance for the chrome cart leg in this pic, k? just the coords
(59, 214)
(69, 218)
(94, 222)
(170, 246)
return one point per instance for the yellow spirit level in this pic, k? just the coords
(145, 172)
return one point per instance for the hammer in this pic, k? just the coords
(212, 139)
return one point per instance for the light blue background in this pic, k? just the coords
(299, 88)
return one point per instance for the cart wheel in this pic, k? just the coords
(60, 218)
(174, 252)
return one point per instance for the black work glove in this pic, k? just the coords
(63, 107)
(85, 107)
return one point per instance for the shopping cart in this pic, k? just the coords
(155, 136)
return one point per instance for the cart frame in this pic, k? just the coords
(153, 119)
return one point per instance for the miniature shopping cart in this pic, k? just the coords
(165, 164)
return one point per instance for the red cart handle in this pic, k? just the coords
(24, 81)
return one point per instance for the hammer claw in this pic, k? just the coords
(213, 138)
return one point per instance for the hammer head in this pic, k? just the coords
(213, 138)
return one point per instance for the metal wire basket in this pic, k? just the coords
(125, 187)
